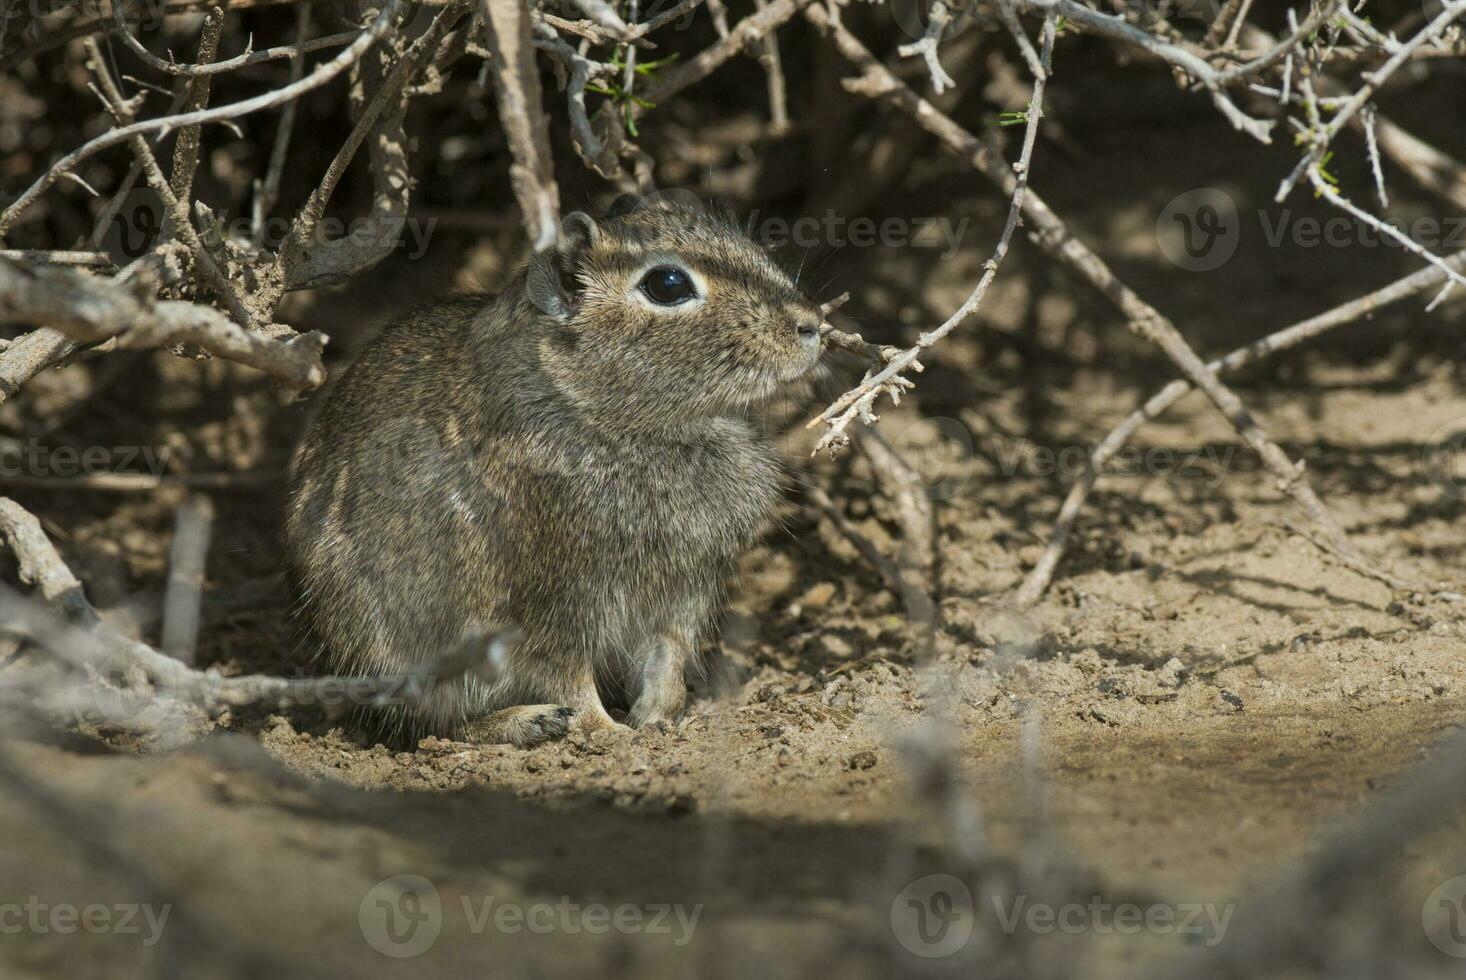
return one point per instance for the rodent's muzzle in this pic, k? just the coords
(807, 335)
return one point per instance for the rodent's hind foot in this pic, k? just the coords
(595, 729)
(524, 725)
(596, 719)
(657, 712)
(663, 692)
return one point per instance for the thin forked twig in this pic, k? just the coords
(877, 82)
(1042, 573)
(858, 403)
(322, 74)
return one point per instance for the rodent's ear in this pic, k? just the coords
(578, 232)
(550, 279)
(624, 205)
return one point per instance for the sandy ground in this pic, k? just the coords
(1201, 700)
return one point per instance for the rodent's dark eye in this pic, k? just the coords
(668, 285)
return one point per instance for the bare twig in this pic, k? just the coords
(1335, 197)
(267, 191)
(1321, 136)
(157, 686)
(1432, 169)
(937, 20)
(508, 35)
(852, 343)
(177, 210)
(1042, 573)
(40, 566)
(579, 71)
(85, 309)
(889, 573)
(196, 97)
(93, 259)
(1118, 29)
(674, 12)
(1230, 16)
(205, 67)
(1371, 142)
(30, 354)
(79, 644)
(916, 554)
(192, 529)
(750, 29)
(320, 76)
(239, 480)
(1281, 49)
(858, 403)
(604, 16)
(773, 66)
(878, 82)
(719, 12)
(305, 261)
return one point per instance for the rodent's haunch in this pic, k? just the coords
(567, 457)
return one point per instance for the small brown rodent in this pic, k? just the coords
(568, 457)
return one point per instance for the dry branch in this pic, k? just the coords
(773, 66)
(1042, 573)
(318, 77)
(180, 224)
(306, 261)
(267, 191)
(84, 310)
(1118, 29)
(195, 97)
(938, 18)
(916, 553)
(890, 574)
(159, 687)
(30, 354)
(96, 260)
(508, 35)
(578, 72)
(1320, 137)
(858, 403)
(877, 82)
(40, 566)
(188, 556)
(162, 686)
(750, 30)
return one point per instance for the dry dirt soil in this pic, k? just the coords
(1201, 704)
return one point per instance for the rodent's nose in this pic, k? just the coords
(808, 327)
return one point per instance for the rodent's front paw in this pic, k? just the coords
(542, 723)
(524, 725)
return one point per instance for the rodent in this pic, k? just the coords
(568, 457)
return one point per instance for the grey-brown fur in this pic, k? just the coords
(567, 457)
